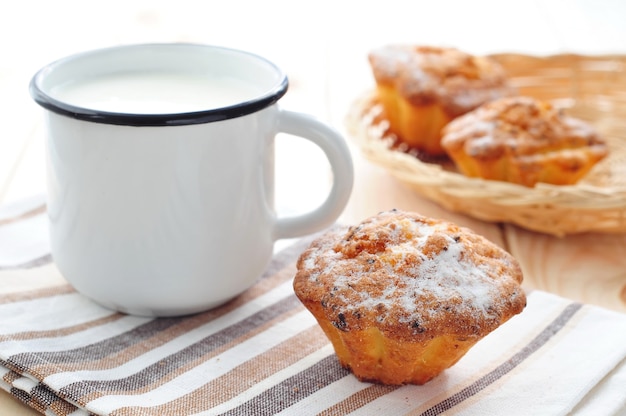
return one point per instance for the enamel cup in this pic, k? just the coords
(161, 173)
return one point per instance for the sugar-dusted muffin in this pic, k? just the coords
(402, 297)
(422, 88)
(523, 140)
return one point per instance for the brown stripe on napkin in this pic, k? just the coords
(174, 365)
(11, 376)
(41, 399)
(292, 390)
(46, 292)
(44, 398)
(62, 408)
(358, 400)
(62, 331)
(42, 364)
(241, 378)
(24, 215)
(25, 398)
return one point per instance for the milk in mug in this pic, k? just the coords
(155, 92)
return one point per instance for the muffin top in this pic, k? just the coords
(410, 276)
(521, 127)
(452, 78)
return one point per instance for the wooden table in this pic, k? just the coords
(323, 47)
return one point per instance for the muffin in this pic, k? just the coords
(422, 88)
(523, 140)
(402, 297)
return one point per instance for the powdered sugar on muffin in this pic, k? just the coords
(523, 140)
(416, 273)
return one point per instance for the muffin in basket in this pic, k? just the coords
(523, 140)
(422, 88)
(402, 297)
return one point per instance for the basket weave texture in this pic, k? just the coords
(592, 88)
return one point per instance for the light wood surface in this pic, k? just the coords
(322, 45)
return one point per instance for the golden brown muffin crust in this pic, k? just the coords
(519, 126)
(412, 277)
(424, 75)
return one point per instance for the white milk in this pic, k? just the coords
(155, 92)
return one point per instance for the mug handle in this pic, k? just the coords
(338, 155)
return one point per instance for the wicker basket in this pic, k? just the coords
(591, 88)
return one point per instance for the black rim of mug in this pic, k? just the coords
(165, 119)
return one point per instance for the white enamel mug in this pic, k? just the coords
(171, 212)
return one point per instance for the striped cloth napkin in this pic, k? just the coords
(263, 353)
